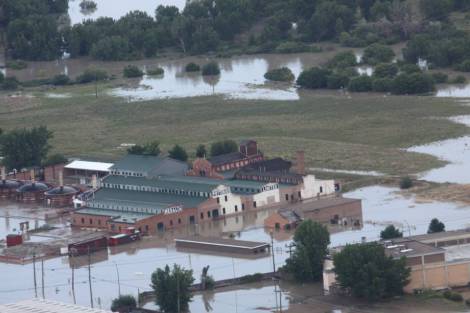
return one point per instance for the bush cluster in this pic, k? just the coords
(282, 74)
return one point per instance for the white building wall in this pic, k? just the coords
(313, 187)
(267, 197)
(230, 202)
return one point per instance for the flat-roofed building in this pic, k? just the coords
(80, 172)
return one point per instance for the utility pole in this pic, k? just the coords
(34, 273)
(178, 291)
(119, 282)
(89, 277)
(290, 246)
(42, 277)
(272, 252)
(73, 284)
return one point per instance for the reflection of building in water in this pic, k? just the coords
(159, 193)
(82, 260)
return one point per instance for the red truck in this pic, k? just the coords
(129, 235)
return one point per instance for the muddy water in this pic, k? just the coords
(117, 8)
(135, 262)
(456, 151)
(454, 91)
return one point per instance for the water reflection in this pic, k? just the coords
(454, 91)
(241, 78)
(117, 8)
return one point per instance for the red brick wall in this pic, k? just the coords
(350, 211)
(203, 166)
(51, 173)
(274, 219)
(169, 221)
(88, 220)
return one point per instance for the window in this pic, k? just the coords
(209, 214)
(91, 221)
(99, 222)
(202, 216)
(300, 195)
(171, 222)
(83, 220)
(236, 208)
(254, 204)
(321, 189)
(179, 221)
(287, 197)
(146, 228)
(243, 206)
(226, 199)
(223, 210)
(218, 200)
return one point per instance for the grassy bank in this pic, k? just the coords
(357, 132)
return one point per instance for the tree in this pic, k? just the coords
(25, 147)
(124, 304)
(342, 60)
(314, 78)
(385, 70)
(91, 75)
(311, 241)
(283, 74)
(10, 83)
(367, 272)
(223, 147)
(415, 83)
(406, 182)
(390, 232)
(201, 151)
(171, 288)
(2, 77)
(192, 67)
(55, 159)
(436, 9)
(60, 80)
(131, 71)
(151, 148)
(362, 83)
(114, 48)
(377, 53)
(211, 69)
(178, 153)
(436, 226)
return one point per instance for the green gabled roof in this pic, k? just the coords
(158, 165)
(161, 183)
(143, 199)
(245, 184)
(115, 214)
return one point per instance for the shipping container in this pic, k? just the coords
(88, 246)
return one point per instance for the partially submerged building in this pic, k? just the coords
(283, 219)
(157, 193)
(80, 172)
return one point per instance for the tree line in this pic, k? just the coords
(35, 31)
(179, 153)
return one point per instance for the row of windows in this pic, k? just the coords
(123, 173)
(116, 207)
(231, 166)
(290, 180)
(158, 189)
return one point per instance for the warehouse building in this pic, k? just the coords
(154, 194)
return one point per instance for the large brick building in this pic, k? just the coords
(155, 193)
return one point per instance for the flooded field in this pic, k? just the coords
(116, 9)
(456, 151)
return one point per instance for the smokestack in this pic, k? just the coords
(4, 173)
(94, 182)
(300, 162)
(33, 178)
(61, 178)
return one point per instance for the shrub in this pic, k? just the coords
(282, 74)
(292, 47)
(410, 68)
(464, 66)
(91, 75)
(60, 80)
(342, 60)
(131, 71)
(211, 68)
(314, 78)
(16, 64)
(156, 71)
(2, 77)
(337, 80)
(112, 48)
(467, 302)
(452, 296)
(415, 83)
(377, 53)
(253, 278)
(88, 5)
(440, 78)
(384, 70)
(362, 83)
(459, 80)
(124, 304)
(10, 83)
(192, 67)
(382, 84)
(406, 183)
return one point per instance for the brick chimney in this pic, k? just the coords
(4, 173)
(33, 177)
(299, 163)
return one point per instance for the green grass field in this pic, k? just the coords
(361, 132)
